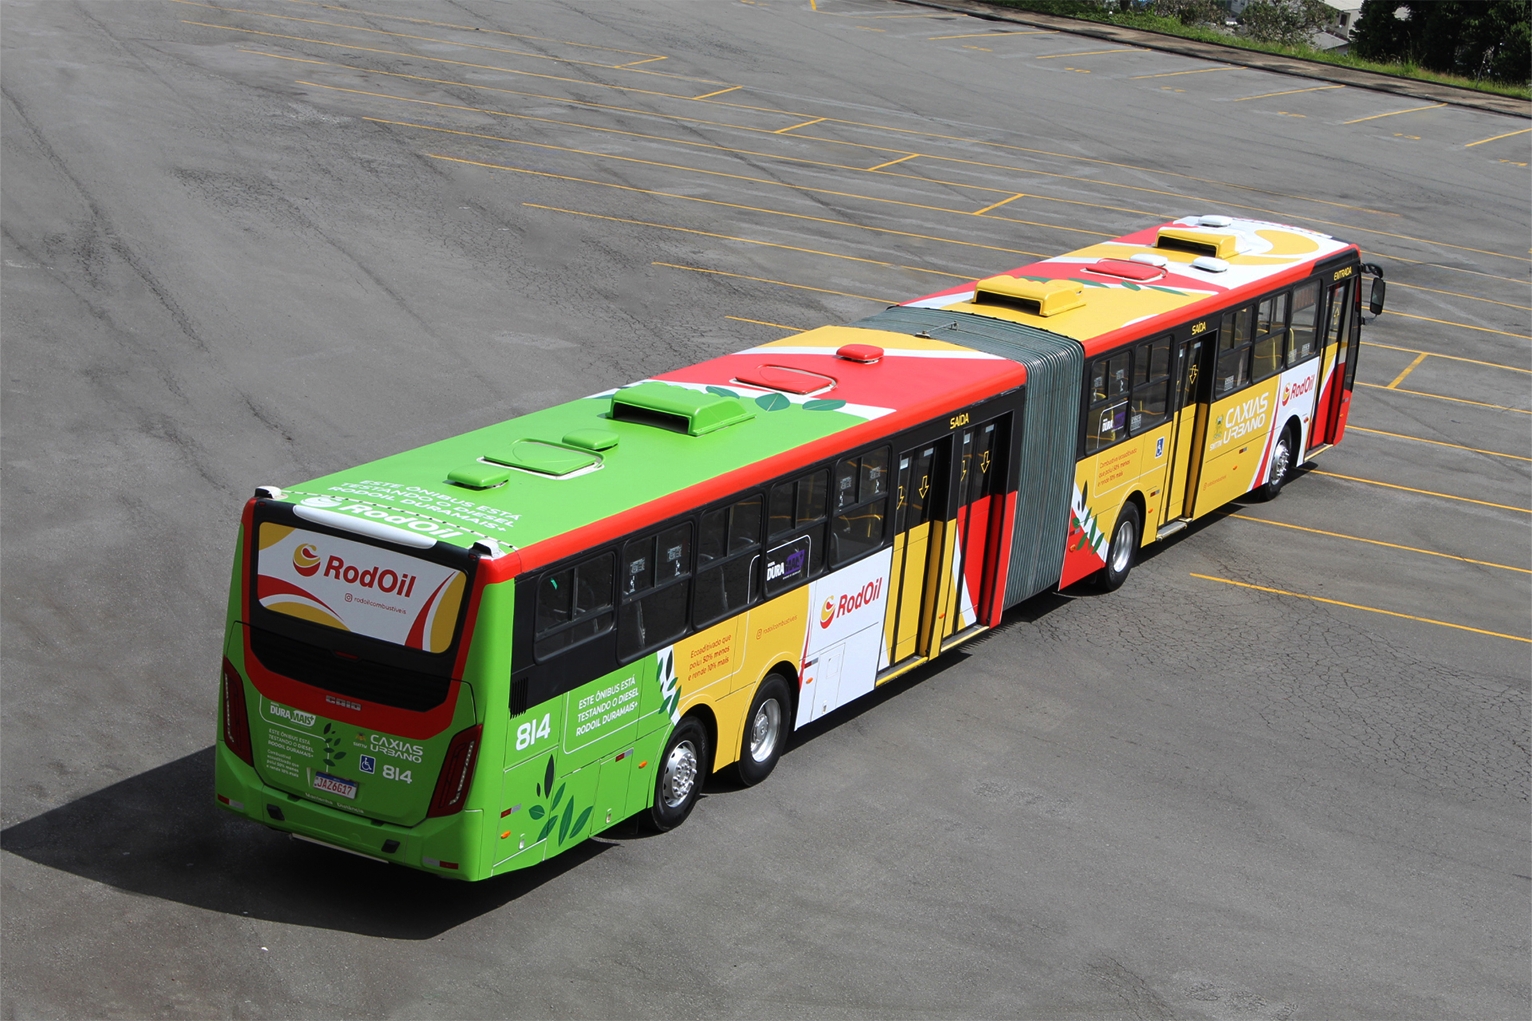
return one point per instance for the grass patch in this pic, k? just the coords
(1207, 34)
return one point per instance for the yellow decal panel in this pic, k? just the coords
(1237, 430)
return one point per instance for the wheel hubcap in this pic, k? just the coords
(680, 775)
(1280, 461)
(764, 730)
(1122, 547)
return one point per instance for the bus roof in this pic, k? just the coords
(574, 475)
(518, 498)
(1106, 293)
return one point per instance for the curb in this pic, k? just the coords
(1373, 80)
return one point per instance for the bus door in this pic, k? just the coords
(1186, 437)
(1341, 331)
(921, 488)
(976, 554)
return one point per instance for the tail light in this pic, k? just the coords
(457, 773)
(236, 722)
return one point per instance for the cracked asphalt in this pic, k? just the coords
(1282, 774)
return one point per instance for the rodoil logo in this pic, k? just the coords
(834, 608)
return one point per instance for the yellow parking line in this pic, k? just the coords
(1437, 443)
(1289, 92)
(764, 280)
(1358, 606)
(890, 163)
(1465, 326)
(1454, 269)
(710, 95)
(997, 205)
(748, 241)
(1450, 358)
(1457, 294)
(719, 202)
(1396, 113)
(473, 28)
(1092, 53)
(987, 35)
(1442, 397)
(1407, 370)
(1422, 492)
(1172, 74)
(794, 127)
(779, 326)
(1379, 542)
(1496, 138)
(646, 60)
(712, 173)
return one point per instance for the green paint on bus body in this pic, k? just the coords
(411, 491)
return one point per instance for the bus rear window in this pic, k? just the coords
(357, 588)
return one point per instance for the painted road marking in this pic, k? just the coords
(1438, 443)
(1496, 138)
(795, 127)
(779, 326)
(748, 241)
(1288, 92)
(1379, 542)
(1169, 74)
(1443, 397)
(1465, 326)
(1422, 492)
(1407, 370)
(1358, 606)
(992, 35)
(1456, 294)
(1396, 113)
(997, 205)
(1092, 53)
(765, 280)
(1450, 358)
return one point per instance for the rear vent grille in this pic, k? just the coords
(359, 678)
(1026, 305)
(1186, 245)
(649, 416)
(519, 689)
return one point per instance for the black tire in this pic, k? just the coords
(1281, 466)
(1122, 551)
(681, 771)
(766, 728)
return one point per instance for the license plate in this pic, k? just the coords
(335, 785)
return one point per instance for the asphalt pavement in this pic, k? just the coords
(1283, 773)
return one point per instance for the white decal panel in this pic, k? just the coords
(354, 587)
(840, 661)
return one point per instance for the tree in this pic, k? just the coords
(1473, 38)
(1289, 22)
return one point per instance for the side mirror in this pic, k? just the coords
(1379, 291)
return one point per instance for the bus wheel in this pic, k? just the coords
(1124, 547)
(682, 771)
(765, 730)
(1281, 466)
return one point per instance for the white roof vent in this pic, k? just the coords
(1149, 259)
(1215, 221)
(1210, 264)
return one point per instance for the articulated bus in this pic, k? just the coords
(469, 657)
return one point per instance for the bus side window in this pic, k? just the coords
(1233, 371)
(1272, 332)
(1305, 310)
(802, 555)
(728, 560)
(1151, 386)
(573, 604)
(655, 594)
(1106, 421)
(861, 506)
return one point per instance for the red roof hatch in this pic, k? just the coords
(785, 379)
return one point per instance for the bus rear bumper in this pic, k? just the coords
(450, 846)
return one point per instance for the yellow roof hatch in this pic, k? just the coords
(1198, 242)
(1037, 297)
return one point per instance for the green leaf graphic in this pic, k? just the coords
(339, 756)
(559, 794)
(830, 405)
(548, 777)
(1131, 287)
(326, 728)
(773, 402)
(564, 822)
(574, 830)
(548, 827)
(536, 811)
(722, 391)
(1167, 290)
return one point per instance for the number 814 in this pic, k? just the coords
(533, 731)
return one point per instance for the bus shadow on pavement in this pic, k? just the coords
(158, 834)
